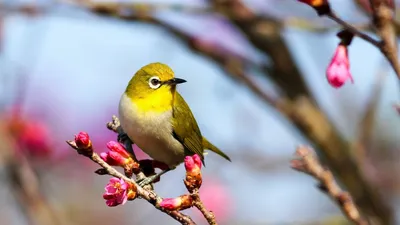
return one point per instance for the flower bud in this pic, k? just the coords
(193, 178)
(82, 144)
(83, 141)
(338, 71)
(118, 156)
(179, 203)
(118, 148)
(192, 163)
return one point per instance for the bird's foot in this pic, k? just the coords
(151, 179)
(122, 137)
(148, 180)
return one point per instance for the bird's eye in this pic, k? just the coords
(154, 82)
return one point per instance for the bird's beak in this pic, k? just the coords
(175, 81)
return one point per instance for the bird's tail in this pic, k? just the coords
(211, 147)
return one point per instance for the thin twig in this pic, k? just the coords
(354, 30)
(149, 196)
(309, 164)
(383, 21)
(210, 217)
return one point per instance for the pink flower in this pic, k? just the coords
(116, 192)
(338, 71)
(179, 203)
(192, 163)
(82, 140)
(117, 156)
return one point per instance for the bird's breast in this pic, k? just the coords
(151, 131)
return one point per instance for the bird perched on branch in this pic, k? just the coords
(159, 121)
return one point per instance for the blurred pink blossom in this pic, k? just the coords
(216, 197)
(32, 136)
(35, 139)
(338, 71)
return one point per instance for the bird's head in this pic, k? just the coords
(154, 83)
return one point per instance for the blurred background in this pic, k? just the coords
(64, 65)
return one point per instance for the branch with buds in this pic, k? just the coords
(193, 183)
(307, 162)
(122, 188)
(382, 19)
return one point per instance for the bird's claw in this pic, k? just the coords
(147, 180)
(122, 137)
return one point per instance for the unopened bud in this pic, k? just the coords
(82, 144)
(179, 203)
(338, 71)
(83, 141)
(193, 178)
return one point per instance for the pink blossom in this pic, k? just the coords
(116, 192)
(82, 140)
(117, 156)
(338, 71)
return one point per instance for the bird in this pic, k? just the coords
(158, 120)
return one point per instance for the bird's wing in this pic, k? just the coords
(185, 128)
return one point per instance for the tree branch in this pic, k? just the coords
(383, 21)
(210, 217)
(148, 195)
(265, 34)
(308, 163)
(354, 30)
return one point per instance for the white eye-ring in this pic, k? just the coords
(154, 82)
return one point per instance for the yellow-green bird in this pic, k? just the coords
(159, 121)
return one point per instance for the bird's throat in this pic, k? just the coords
(154, 102)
